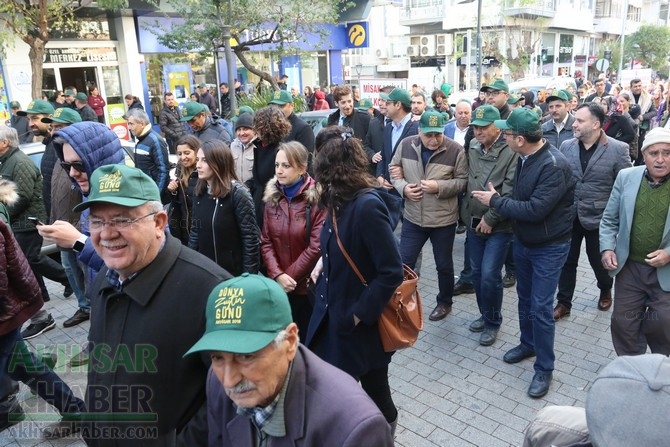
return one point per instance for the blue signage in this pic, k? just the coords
(357, 35)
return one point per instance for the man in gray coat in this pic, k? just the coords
(595, 159)
(559, 128)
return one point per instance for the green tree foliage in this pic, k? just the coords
(33, 21)
(650, 45)
(284, 24)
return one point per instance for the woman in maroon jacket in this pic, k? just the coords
(291, 227)
(97, 103)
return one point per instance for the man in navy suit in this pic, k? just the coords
(398, 110)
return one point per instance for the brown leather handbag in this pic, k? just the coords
(402, 318)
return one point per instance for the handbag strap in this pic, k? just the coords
(346, 255)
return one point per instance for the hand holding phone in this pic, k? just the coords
(35, 221)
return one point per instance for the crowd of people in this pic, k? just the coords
(231, 285)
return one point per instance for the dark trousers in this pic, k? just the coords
(412, 240)
(641, 311)
(376, 384)
(23, 366)
(42, 266)
(568, 278)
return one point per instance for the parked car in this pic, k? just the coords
(317, 119)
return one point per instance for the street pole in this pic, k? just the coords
(624, 14)
(479, 44)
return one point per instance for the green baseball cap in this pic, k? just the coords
(81, 97)
(521, 120)
(497, 84)
(245, 109)
(202, 84)
(64, 115)
(562, 95)
(120, 185)
(364, 104)
(398, 94)
(37, 106)
(431, 121)
(68, 92)
(191, 109)
(243, 315)
(14, 105)
(281, 97)
(485, 115)
(513, 99)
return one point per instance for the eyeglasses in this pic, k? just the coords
(511, 134)
(492, 93)
(76, 165)
(119, 223)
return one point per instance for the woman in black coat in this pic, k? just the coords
(223, 222)
(343, 329)
(182, 188)
(616, 124)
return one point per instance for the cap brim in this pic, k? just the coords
(121, 201)
(385, 96)
(22, 113)
(432, 129)
(278, 102)
(481, 123)
(186, 118)
(238, 342)
(500, 124)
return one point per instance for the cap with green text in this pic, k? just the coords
(37, 106)
(281, 97)
(485, 115)
(431, 122)
(120, 185)
(364, 104)
(191, 109)
(497, 84)
(243, 315)
(63, 115)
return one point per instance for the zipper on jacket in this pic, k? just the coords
(216, 207)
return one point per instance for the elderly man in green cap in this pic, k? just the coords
(434, 173)
(147, 306)
(202, 125)
(489, 233)
(300, 130)
(265, 388)
(542, 208)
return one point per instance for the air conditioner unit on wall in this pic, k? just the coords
(382, 53)
(413, 50)
(427, 47)
(444, 45)
(415, 40)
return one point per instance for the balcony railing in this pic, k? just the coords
(530, 9)
(422, 11)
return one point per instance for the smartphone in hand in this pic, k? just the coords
(35, 221)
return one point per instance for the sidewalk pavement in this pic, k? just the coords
(450, 390)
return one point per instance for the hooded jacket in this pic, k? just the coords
(213, 129)
(97, 145)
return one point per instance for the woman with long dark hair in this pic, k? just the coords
(616, 125)
(223, 223)
(343, 329)
(271, 126)
(182, 187)
(291, 228)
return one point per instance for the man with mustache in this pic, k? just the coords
(265, 388)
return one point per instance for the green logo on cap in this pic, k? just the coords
(110, 183)
(433, 121)
(479, 113)
(277, 94)
(228, 306)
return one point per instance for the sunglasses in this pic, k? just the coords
(77, 165)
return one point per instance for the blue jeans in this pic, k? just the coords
(537, 272)
(487, 256)
(412, 239)
(75, 275)
(23, 366)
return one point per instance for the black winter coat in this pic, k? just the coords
(225, 230)
(358, 121)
